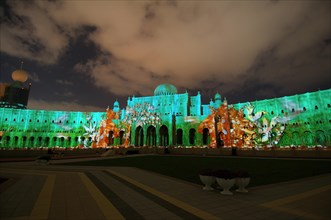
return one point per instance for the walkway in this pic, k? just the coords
(65, 192)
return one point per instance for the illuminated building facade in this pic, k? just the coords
(171, 119)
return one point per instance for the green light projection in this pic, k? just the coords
(171, 119)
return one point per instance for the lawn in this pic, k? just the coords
(263, 170)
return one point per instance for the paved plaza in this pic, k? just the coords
(61, 192)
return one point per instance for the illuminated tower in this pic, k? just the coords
(218, 100)
(16, 94)
(116, 106)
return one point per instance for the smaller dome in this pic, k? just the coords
(217, 96)
(116, 104)
(165, 89)
(19, 75)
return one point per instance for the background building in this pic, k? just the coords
(16, 94)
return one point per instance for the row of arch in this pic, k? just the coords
(32, 141)
(149, 138)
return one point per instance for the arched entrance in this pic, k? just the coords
(110, 138)
(7, 141)
(76, 141)
(219, 140)
(192, 136)
(164, 136)
(24, 140)
(151, 136)
(179, 136)
(121, 137)
(139, 136)
(31, 141)
(16, 141)
(205, 136)
(82, 141)
(47, 141)
(39, 141)
(54, 141)
(61, 140)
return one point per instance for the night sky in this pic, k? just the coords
(83, 55)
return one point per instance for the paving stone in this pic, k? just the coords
(71, 199)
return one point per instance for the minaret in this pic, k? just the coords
(116, 106)
(218, 100)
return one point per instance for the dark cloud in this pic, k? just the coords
(64, 82)
(34, 77)
(61, 105)
(244, 49)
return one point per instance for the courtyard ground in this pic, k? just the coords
(100, 192)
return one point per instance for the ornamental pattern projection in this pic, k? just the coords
(171, 119)
(228, 127)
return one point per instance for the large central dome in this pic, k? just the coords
(165, 89)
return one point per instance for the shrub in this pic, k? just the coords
(224, 174)
(207, 172)
(242, 174)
